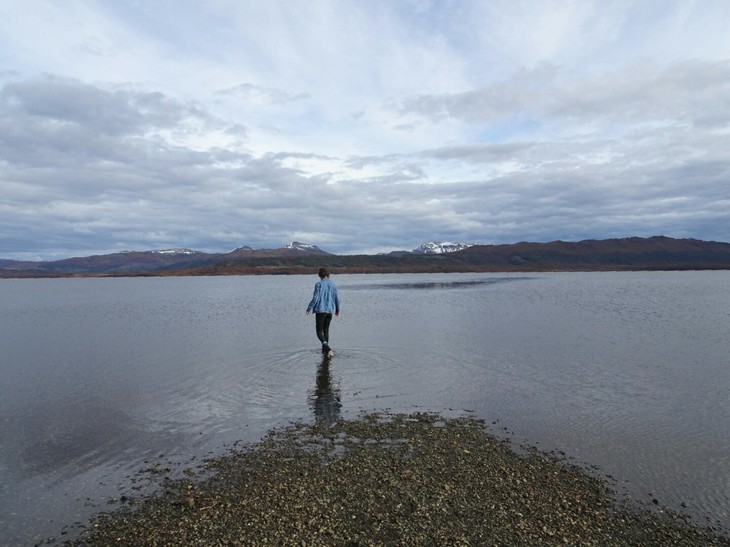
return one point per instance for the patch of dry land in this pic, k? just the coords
(389, 480)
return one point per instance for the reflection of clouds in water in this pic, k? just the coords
(69, 432)
(326, 396)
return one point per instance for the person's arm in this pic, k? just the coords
(315, 296)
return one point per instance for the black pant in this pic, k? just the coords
(322, 323)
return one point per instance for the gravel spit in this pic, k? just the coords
(389, 479)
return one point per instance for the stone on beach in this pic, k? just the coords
(385, 479)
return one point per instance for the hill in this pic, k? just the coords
(634, 253)
(146, 262)
(654, 253)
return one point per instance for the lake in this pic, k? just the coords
(625, 373)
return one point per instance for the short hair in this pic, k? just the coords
(323, 273)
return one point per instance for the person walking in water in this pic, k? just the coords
(325, 301)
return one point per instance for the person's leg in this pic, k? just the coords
(326, 328)
(319, 325)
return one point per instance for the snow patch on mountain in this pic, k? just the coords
(440, 247)
(298, 246)
(173, 252)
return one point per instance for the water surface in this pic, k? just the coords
(100, 378)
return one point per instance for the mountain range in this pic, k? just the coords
(634, 253)
(147, 262)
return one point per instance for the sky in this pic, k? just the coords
(359, 126)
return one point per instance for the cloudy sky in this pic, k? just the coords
(359, 125)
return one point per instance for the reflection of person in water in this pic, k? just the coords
(326, 398)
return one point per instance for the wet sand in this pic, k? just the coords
(383, 479)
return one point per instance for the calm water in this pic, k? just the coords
(100, 378)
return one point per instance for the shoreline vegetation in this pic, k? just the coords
(389, 479)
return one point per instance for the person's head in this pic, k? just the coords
(323, 273)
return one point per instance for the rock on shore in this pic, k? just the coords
(389, 480)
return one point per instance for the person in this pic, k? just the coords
(325, 301)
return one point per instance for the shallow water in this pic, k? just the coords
(101, 378)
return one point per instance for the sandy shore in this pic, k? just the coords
(389, 480)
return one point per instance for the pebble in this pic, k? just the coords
(417, 479)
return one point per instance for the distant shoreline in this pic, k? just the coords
(628, 254)
(308, 270)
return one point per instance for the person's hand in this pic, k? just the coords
(307, 312)
(337, 314)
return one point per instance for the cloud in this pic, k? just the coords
(262, 95)
(82, 159)
(689, 92)
(62, 115)
(360, 126)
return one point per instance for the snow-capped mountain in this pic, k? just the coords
(303, 247)
(243, 248)
(440, 247)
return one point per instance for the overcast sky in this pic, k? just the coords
(359, 126)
